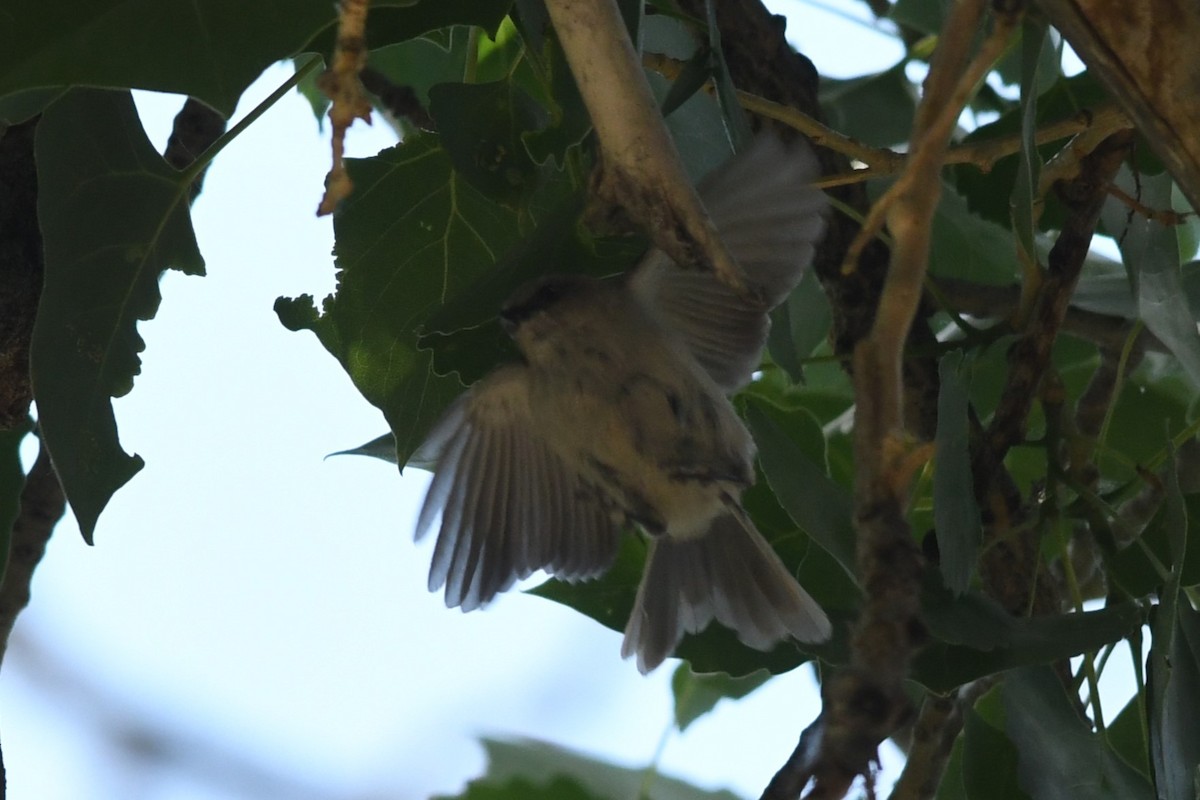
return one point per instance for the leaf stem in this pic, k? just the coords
(204, 159)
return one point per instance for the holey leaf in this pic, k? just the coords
(114, 216)
(413, 235)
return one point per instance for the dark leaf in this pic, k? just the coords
(114, 216)
(556, 788)
(1151, 253)
(799, 325)
(1025, 193)
(413, 234)
(1174, 696)
(795, 471)
(1127, 735)
(540, 763)
(1059, 756)
(974, 637)
(698, 693)
(381, 447)
(481, 126)
(875, 109)
(955, 512)
(989, 758)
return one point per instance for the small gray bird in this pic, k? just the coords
(619, 414)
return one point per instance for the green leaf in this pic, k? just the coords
(1029, 163)
(558, 788)
(822, 508)
(413, 234)
(540, 763)
(1173, 677)
(974, 637)
(924, 16)
(875, 109)
(1151, 253)
(1059, 756)
(1127, 735)
(12, 481)
(209, 49)
(19, 107)
(989, 758)
(392, 21)
(1174, 691)
(988, 193)
(953, 785)
(481, 126)
(698, 693)
(799, 325)
(423, 62)
(966, 246)
(381, 447)
(114, 216)
(955, 512)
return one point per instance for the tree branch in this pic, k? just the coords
(642, 172)
(42, 504)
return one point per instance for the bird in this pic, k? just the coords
(618, 415)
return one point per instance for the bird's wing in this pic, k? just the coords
(770, 218)
(509, 504)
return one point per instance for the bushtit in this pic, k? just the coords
(618, 414)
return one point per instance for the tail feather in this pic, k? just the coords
(730, 574)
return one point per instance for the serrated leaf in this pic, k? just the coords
(1151, 253)
(413, 234)
(696, 694)
(820, 507)
(1059, 757)
(540, 762)
(114, 217)
(955, 512)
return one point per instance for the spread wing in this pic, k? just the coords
(770, 219)
(509, 504)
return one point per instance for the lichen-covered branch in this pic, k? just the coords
(341, 84)
(642, 172)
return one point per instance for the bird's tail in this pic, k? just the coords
(729, 573)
